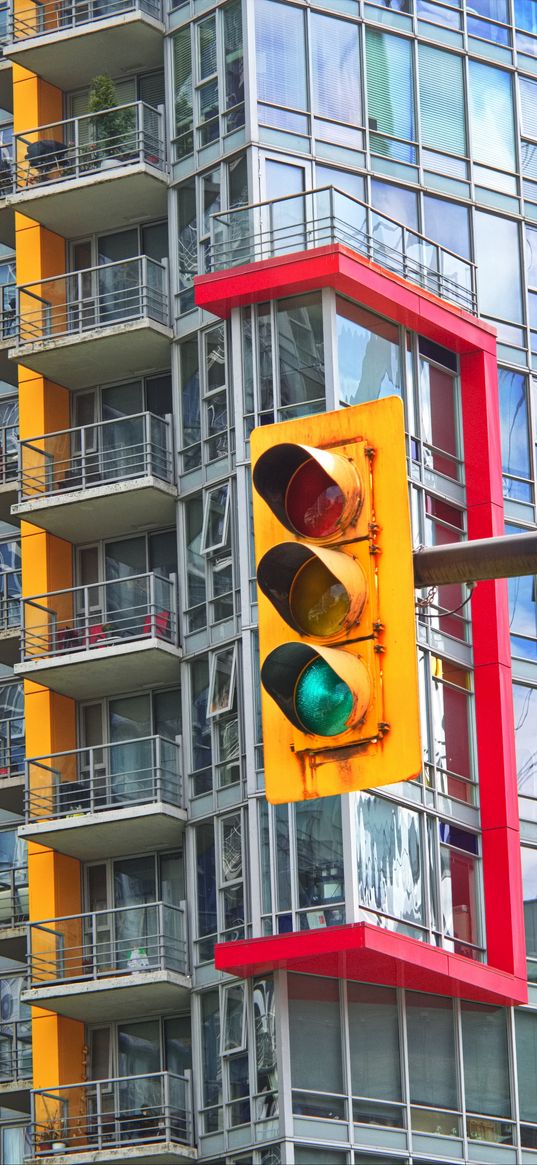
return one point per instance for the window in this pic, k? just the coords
(432, 1063)
(441, 92)
(448, 224)
(524, 700)
(498, 266)
(222, 683)
(314, 1023)
(281, 61)
(492, 122)
(458, 872)
(216, 102)
(512, 388)
(283, 359)
(529, 895)
(234, 1026)
(368, 354)
(486, 1070)
(375, 1056)
(449, 693)
(336, 79)
(390, 95)
(391, 874)
(182, 77)
(215, 519)
(526, 1059)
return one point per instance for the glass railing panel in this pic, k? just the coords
(48, 17)
(327, 215)
(93, 946)
(96, 297)
(108, 1114)
(83, 618)
(78, 459)
(80, 146)
(92, 780)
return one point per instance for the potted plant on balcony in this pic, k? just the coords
(112, 130)
(50, 1136)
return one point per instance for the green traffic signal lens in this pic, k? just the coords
(323, 701)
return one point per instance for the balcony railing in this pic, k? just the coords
(108, 776)
(12, 748)
(68, 150)
(104, 614)
(96, 455)
(13, 896)
(10, 600)
(44, 19)
(16, 1050)
(110, 1114)
(320, 217)
(97, 297)
(93, 946)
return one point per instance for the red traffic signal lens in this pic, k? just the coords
(314, 501)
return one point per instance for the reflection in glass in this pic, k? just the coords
(390, 864)
(515, 434)
(524, 698)
(368, 355)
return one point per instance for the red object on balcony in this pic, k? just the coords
(362, 951)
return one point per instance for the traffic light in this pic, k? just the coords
(340, 701)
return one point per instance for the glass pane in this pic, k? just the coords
(368, 355)
(336, 69)
(390, 864)
(498, 266)
(301, 355)
(486, 1065)
(374, 1043)
(431, 1051)
(314, 1023)
(281, 56)
(319, 844)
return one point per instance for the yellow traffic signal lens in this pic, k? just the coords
(323, 701)
(314, 501)
(319, 603)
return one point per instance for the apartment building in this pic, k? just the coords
(214, 217)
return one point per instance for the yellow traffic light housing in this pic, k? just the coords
(340, 699)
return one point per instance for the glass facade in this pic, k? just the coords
(410, 118)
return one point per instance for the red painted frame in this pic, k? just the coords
(361, 950)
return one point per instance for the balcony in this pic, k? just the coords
(99, 480)
(13, 912)
(100, 324)
(114, 799)
(110, 964)
(135, 1118)
(92, 641)
(72, 176)
(321, 218)
(70, 43)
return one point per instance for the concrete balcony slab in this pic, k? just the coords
(111, 832)
(118, 996)
(165, 1153)
(106, 669)
(100, 354)
(118, 196)
(102, 511)
(70, 57)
